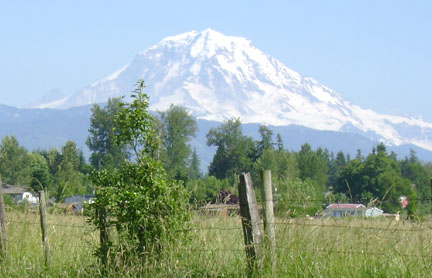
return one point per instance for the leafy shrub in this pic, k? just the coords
(145, 208)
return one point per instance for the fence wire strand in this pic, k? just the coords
(289, 224)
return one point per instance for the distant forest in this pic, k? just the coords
(304, 181)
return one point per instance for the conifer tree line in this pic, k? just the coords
(304, 180)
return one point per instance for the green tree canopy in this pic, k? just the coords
(14, 161)
(313, 164)
(234, 150)
(69, 179)
(40, 178)
(177, 129)
(377, 178)
(136, 126)
(106, 153)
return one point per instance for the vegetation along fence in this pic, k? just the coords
(37, 240)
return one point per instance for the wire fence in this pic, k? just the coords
(76, 227)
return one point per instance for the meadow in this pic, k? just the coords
(328, 247)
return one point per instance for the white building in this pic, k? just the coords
(373, 212)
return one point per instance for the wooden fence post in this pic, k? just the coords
(42, 210)
(269, 225)
(3, 236)
(250, 222)
(103, 236)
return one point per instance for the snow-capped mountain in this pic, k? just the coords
(218, 77)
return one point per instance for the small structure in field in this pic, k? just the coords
(69, 208)
(78, 202)
(20, 194)
(224, 204)
(373, 212)
(220, 209)
(341, 210)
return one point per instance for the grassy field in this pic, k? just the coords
(305, 248)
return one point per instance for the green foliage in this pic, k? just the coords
(377, 179)
(313, 164)
(69, 179)
(145, 208)
(177, 129)
(39, 173)
(194, 166)
(234, 150)
(266, 142)
(203, 191)
(135, 125)
(335, 167)
(283, 164)
(296, 197)
(106, 153)
(354, 248)
(13, 161)
(53, 159)
(419, 176)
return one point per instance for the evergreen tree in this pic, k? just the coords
(336, 165)
(266, 142)
(194, 166)
(70, 181)
(279, 142)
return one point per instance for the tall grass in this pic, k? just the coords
(349, 247)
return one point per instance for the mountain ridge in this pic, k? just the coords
(48, 128)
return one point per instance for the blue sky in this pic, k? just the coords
(376, 54)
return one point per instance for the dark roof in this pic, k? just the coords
(13, 189)
(78, 198)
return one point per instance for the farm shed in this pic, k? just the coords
(341, 210)
(70, 207)
(20, 194)
(373, 212)
(78, 202)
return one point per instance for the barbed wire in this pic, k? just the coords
(52, 224)
(290, 223)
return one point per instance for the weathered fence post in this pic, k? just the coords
(43, 219)
(3, 240)
(269, 225)
(250, 222)
(103, 236)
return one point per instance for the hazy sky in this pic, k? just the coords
(376, 54)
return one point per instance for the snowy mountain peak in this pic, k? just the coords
(218, 77)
